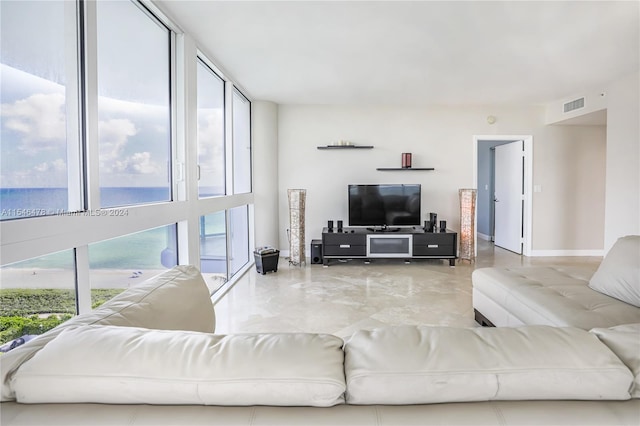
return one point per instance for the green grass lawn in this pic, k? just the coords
(35, 311)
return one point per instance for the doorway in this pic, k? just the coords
(513, 229)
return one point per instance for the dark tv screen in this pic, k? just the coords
(384, 205)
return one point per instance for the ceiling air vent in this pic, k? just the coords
(574, 105)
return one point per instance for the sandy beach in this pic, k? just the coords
(65, 278)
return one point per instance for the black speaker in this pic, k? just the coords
(330, 225)
(316, 251)
(443, 226)
(339, 226)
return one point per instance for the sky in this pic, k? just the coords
(38, 88)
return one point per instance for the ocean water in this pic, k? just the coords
(151, 249)
(28, 202)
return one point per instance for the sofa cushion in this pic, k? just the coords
(624, 341)
(549, 295)
(619, 273)
(420, 365)
(175, 299)
(126, 365)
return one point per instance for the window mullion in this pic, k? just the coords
(72, 105)
(228, 125)
(228, 238)
(177, 179)
(92, 157)
(83, 285)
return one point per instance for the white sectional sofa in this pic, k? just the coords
(563, 296)
(149, 357)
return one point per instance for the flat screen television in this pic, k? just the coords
(384, 205)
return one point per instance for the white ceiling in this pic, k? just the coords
(415, 53)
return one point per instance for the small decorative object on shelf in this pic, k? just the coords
(406, 160)
(467, 224)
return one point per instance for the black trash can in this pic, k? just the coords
(266, 260)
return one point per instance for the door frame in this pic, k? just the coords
(528, 182)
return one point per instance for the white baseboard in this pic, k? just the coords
(557, 253)
(483, 236)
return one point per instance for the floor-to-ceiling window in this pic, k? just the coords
(211, 133)
(118, 263)
(40, 158)
(213, 249)
(98, 135)
(40, 162)
(134, 108)
(36, 295)
(224, 235)
(239, 216)
(241, 143)
(239, 238)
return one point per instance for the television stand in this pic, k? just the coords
(401, 243)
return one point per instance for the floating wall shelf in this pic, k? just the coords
(346, 147)
(384, 169)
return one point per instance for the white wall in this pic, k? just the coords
(622, 210)
(264, 120)
(569, 168)
(438, 137)
(595, 99)
(622, 200)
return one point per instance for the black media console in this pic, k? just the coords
(404, 243)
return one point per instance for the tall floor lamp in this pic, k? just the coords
(467, 224)
(297, 198)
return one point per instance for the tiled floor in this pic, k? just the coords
(345, 297)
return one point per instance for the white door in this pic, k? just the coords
(508, 196)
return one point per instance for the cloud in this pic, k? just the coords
(42, 167)
(34, 132)
(40, 118)
(114, 134)
(210, 133)
(139, 163)
(58, 165)
(48, 174)
(130, 108)
(211, 146)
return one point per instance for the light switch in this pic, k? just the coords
(537, 188)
